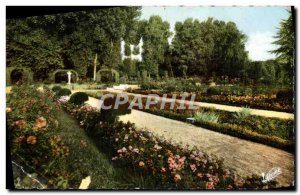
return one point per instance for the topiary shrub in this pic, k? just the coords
(56, 88)
(78, 98)
(63, 92)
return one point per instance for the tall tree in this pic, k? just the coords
(155, 43)
(69, 40)
(286, 50)
(209, 47)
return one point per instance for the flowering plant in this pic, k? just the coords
(168, 165)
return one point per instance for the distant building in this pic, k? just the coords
(132, 56)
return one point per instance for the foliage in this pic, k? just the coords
(56, 88)
(207, 47)
(262, 97)
(208, 117)
(243, 114)
(33, 132)
(63, 92)
(78, 98)
(271, 131)
(155, 31)
(168, 166)
(69, 40)
(285, 95)
(285, 39)
(127, 50)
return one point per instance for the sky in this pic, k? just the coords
(260, 24)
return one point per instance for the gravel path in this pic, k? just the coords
(242, 156)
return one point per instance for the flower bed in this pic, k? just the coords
(168, 166)
(32, 129)
(270, 131)
(268, 102)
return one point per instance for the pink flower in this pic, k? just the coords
(114, 158)
(124, 149)
(136, 150)
(193, 167)
(130, 147)
(157, 147)
(200, 174)
(181, 161)
(163, 170)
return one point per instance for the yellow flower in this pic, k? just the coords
(31, 140)
(141, 164)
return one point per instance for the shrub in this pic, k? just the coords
(32, 125)
(63, 92)
(47, 82)
(79, 98)
(206, 117)
(56, 88)
(212, 91)
(244, 113)
(285, 95)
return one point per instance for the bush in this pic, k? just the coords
(63, 92)
(285, 95)
(206, 117)
(78, 98)
(244, 113)
(32, 124)
(212, 91)
(56, 88)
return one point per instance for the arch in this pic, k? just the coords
(52, 75)
(113, 73)
(27, 74)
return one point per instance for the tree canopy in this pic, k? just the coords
(285, 39)
(89, 40)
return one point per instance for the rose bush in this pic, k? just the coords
(32, 128)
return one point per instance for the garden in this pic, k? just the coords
(61, 67)
(40, 145)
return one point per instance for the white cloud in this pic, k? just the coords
(259, 44)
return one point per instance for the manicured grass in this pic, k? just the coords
(86, 160)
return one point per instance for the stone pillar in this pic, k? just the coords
(69, 77)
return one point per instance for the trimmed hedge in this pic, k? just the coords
(63, 92)
(79, 98)
(285, 95)
(56, 88)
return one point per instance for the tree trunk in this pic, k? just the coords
(95, 67)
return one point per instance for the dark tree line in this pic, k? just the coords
(88, 40)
